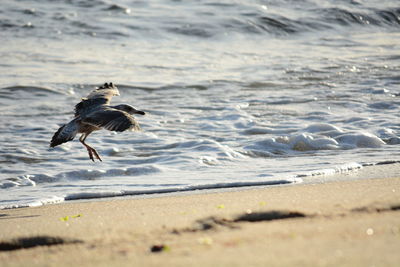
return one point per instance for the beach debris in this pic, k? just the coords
(159, 248)
(221, 206)
(208, 241)
(262, 203)
(377, 208)
(35, 241)
(66, 218)
(211, 223)
(206, 224)
(269, 216)
(370, 231)
(214, 223)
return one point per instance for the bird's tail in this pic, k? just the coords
(65, 133)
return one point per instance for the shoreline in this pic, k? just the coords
(347, 223)
(352, 172)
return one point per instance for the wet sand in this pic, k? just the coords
(344, 223)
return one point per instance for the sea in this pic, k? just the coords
(236, 93)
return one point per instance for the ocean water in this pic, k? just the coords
(236, 93)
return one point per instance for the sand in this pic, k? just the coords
(343, 223)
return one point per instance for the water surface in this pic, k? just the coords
(236, 93)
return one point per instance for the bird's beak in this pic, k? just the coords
(139, 112)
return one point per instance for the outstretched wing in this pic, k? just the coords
(106, 91)
(65, 133)
(99, 96)
(112, 120)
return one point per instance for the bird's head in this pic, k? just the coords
(129, 109)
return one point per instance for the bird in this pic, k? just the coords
(95, 113)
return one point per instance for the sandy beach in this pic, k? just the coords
(271, 134)
(343, 223)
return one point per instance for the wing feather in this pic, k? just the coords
(112, 120)
(106, 91)
(99, 96)
(65, 133)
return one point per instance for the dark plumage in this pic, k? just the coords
(94, 113)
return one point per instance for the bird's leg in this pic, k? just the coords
(96, 154)
(90, 149)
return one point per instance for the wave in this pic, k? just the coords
(165, 190)
(29, 89)
(180, 189)
(206, 152)
(344, 17)
(323, 19)
(321, 136)
(79, 175)
(202, 20)
(176, 188)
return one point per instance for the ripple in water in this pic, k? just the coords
(236, 94)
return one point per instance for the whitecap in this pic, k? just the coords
(228, 151)
(322, 127)
(353, 166)
(50, 200)
(305, 142)
(27, 180)
(358, 140)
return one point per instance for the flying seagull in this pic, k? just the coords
(94, 113)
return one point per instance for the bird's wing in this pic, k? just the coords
(65, 133)
(99, 96)
(112, 120)
(106, 91)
